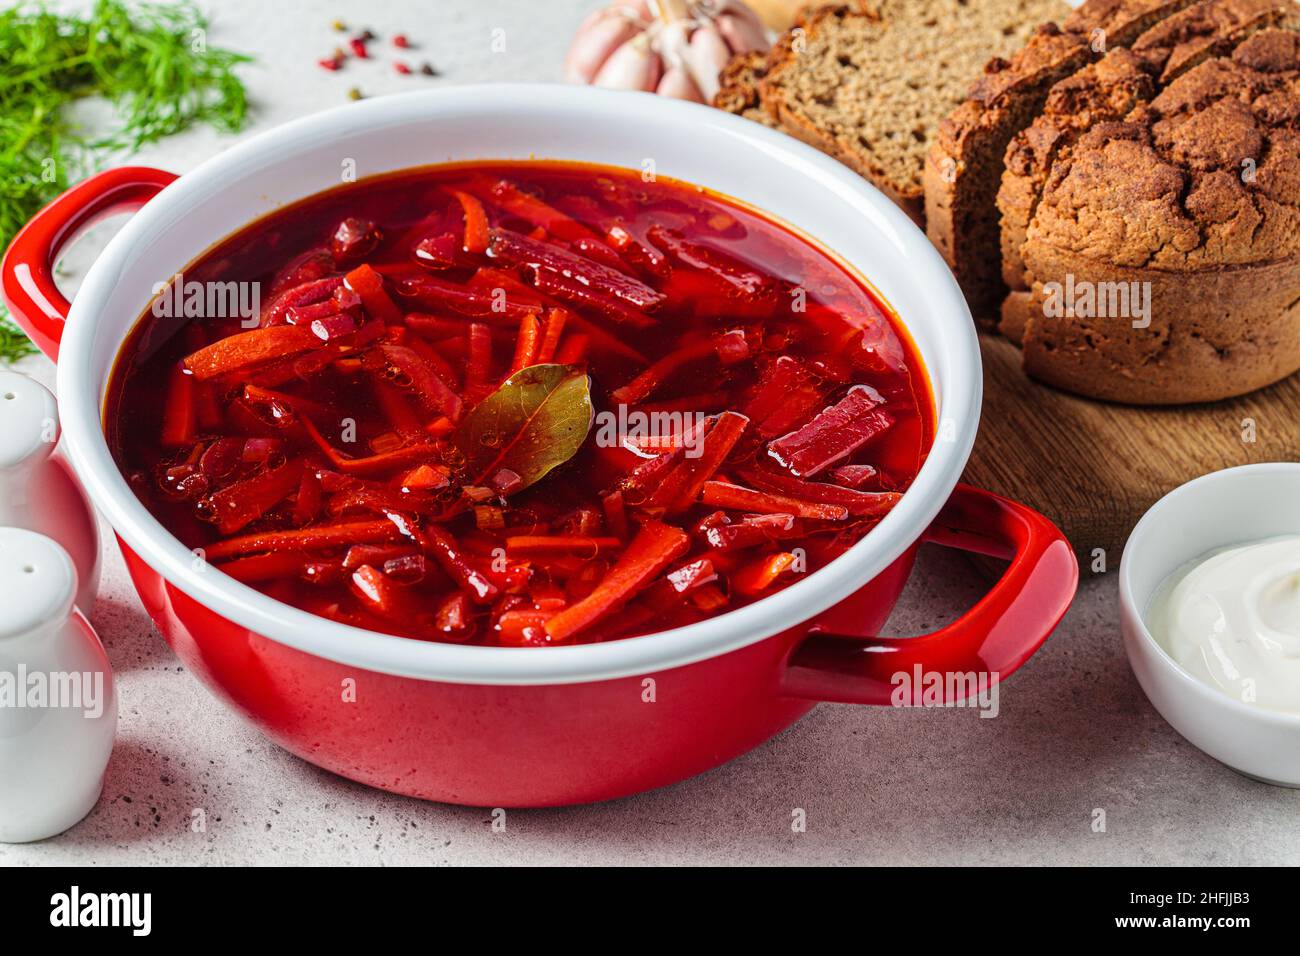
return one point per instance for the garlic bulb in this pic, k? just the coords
(672, 47)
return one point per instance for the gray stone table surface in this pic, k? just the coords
(879, 786)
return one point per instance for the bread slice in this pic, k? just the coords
(868, 82)
(738, 87)
(1109, 90)
(1106, 90)
(963, 169)
(1208, 29)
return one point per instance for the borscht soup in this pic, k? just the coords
(518, 404)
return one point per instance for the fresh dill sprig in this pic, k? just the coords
(151, 62)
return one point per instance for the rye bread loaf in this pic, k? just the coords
(868, 82)
(1189, 210)
(1108, 90)
(963, 169)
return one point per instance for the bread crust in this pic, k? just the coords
(963, 170)
(1194, 197)
(898, 170)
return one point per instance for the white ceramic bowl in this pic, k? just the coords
(1228, 507)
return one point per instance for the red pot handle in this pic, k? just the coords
(993, 638)
(27, 273)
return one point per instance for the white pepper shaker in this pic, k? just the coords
(58, 704)
(38, 490)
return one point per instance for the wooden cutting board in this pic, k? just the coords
(1095, 468)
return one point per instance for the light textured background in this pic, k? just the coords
(878, 785)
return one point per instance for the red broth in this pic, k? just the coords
(518, 404)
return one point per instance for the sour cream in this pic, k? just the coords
(1232, 619)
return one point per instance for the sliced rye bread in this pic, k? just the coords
(963, 169)
(1208, 29)
(868, 82)
(738, 87)
(1195, 197)
(1108, 90)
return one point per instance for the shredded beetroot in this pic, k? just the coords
(858, 503)
(514, 249)
(787, 395)
(833, 434)
(522, 405)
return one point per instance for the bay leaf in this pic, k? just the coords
(536, 421)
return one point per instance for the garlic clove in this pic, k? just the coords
(632, 66)
(677, 82)
(600, 34)
(705, 56)
(741, 29)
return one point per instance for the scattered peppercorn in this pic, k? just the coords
(339, 26)
(401, 68)
(330, 63)
(354, 94)
(401, 42)
(367, 36)
(358, 48)
(428, 69)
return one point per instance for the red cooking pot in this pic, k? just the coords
(510, 727)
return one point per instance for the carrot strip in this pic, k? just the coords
(757, 576)
(370, 464)
(523, 627)
(179, 411)
(708, 598)
(555, 320)
(426, 478)
(367, 283)
(528, 207)
(718, 443)
(526, 345)
(654, 546)
(723, 494)
(476, 222)
(247, 500)
(480, 356)
(324, 536)
(265, 567)
(529, 545)
(248, 349)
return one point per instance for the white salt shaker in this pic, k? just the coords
(58, 706)
(38, 490)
